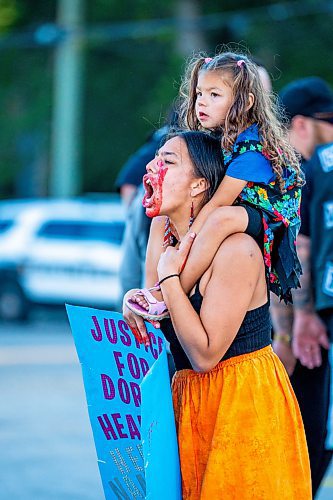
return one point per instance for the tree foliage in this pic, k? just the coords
(131, 80)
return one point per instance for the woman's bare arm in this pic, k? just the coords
(236, 284)
(154, 250)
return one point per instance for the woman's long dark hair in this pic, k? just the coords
(205, 152)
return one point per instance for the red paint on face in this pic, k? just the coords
(152, 200)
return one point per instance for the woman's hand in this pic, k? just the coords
(135, 322)
(173, 260)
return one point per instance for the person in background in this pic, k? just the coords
(263, 74)
(130, 175)
(129, 182)
(309, 322)
(132, 265)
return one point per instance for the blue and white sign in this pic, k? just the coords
(130, 406)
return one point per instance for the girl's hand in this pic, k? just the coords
(173, 260)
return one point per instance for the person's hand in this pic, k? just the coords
(173, 260)
(309, 335)
(283, 350)
(135, 322)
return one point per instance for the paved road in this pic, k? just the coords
(47, 450)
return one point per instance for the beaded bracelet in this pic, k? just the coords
(282, 337)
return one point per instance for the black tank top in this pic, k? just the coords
(254, 333)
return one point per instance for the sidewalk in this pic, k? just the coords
(326, 491)
(45, 435)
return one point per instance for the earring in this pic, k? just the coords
(167, 240)
(191, 216)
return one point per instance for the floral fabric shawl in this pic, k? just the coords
(281, 222)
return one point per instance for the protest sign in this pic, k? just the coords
(130, 407)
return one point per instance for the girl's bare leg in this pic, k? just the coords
(220, 224)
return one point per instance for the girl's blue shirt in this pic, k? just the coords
(251, 166)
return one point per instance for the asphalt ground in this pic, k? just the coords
(47, 449)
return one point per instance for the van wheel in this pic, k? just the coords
(13, 304)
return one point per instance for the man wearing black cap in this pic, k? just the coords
(309, 104)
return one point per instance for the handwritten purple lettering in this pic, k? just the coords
(160, 345)
(144, 366)
(119, 331)
(125, 337)
(107, 427)
(113, 428)
(133, 365)
(97, 334)
(119, 426)
(120, 366)
(110, 330)
(136, 393)
(152, 339)
(108, 387)
(132, 427)
(124, 392)
(111, 338)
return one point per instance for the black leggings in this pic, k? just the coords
(312, 389)
(255, 226)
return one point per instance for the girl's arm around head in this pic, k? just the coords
(234, 284)
(225, 195)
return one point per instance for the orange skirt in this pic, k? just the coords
(240, 431)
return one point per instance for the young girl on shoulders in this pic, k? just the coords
(260, 193)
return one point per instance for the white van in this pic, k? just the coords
(58, 251)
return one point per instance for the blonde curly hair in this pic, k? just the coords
(265, 111)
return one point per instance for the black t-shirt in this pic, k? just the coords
(306, 196)
(135, 167)
(317, 222)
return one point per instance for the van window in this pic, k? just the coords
(111, 232)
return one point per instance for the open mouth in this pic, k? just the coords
(203, 115)
(152, 183)
(148, 198)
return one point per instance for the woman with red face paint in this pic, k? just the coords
(260, 194)
(239, 428)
